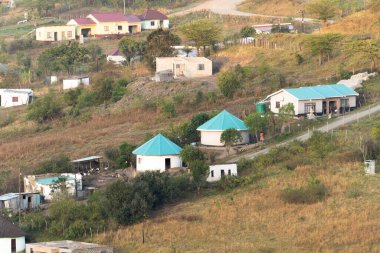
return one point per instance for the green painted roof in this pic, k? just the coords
(322, 91)
(158, 146)
(223, 121)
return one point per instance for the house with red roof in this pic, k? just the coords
(152, 19)
(106, 23)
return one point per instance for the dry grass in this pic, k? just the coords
(256, 220)
(288, 8)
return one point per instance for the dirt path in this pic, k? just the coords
(341, 121)
(226, 7)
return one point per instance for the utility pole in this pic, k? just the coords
(303, 21)
(124, 6)
(19, 196)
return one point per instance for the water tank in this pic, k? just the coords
(370, 166)
(261, 108)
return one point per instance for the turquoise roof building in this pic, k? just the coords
(158, 154)
(322, 92)
(212, 130)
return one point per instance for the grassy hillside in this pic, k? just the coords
(287, 8)
(256, 219)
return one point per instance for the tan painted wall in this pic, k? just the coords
(46, 33)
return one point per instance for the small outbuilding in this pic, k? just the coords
(12, 238)
(75, 82)
(158, 154)
(15, 97)
(219, 171)
(67, 247)
(55, 33)
(152, 19)
(15, 201)
(116, 56)
(212, 130)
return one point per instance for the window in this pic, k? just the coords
(139, 160)
(106, 28)
(120, 27)
(309, 107)
(278, 104)
(177, 66)
(229, 172)
(152, 23)
(48, 35)
(69, 34)
(222, 173)
(344, 103)
(14, 99)
(212, 173)
(201, 67)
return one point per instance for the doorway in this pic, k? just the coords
(55, 36)
(222, 174)
(86, 32)
(324, 109)
(29, 202)
(13, 245)
(167, 163)
(332, 106)
(0, 100)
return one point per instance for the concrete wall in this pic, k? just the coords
(212, 138)
(7, 98)
(75, 83)
(46, 33)
(215, 173)
(156, 163)
(13, 204)
(191, 68)
(6, 246)
(118, 59)
(284, 98)
(190, 64)
(147, 24)
(109, 28)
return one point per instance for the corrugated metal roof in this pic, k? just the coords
(85, 159)
(115, 17)
(84, 21)
(223, 121)
(158, 146)
(9, 230)
(322, 92)
(13, 195)
(153, 15)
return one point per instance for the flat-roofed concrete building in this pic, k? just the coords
(67, 247)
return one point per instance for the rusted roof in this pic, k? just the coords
(153, 15)
(8, 230)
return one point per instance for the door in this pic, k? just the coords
(332, 106)
(222, 174)
(167, 163)
(55, 36)
(13, 245)
(30, 202)
(0, 101)
(324, 107)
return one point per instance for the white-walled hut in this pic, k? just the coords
(158, 154)
(75, 82)
(15, 97)
(212, 130)
(12, 238)
(218, 171)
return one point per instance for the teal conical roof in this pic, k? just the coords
(158, 146)
(223, 121)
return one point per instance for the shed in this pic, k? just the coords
(116, 56)
(28, 201)
(212, 130)
(218, 171)
(15, 97)
(67, 247)
(152, 19)
(87, 164)
(12, 238)
(75, 82)
(158, 154)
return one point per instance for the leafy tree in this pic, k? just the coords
(229, 82)
(323, 45)
(320, 146)
(199, 172)
(190, 133)
(190, 153)
(256, 122)
(369, 49)
(97, 57)
(230, 137)
(130, 48)
(168, 109)
(247, 31)
(44, 109)
(202, 32)
(125, 155)
(159, 44)
(286, 114)
(103, 87)
(322, 9)
(56, 164)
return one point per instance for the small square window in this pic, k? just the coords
(69, 34)
(120, 27)
(201, 67)
(152, 23)
(229, 172)
(222, 173)
(48, 35)
(278, 104)
(212, 173)
(14, 99)
(139, 160)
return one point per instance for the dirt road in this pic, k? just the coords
(347, 119)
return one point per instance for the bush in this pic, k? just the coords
(46, 108)
(232, 182)
(56, 164)
(190, 153)
(229, 82)
(314, 192)
(168, 109)
(247, 31)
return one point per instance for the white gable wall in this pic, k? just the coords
(284, 98)
(6, 244)
(154, 24)
(212, 138)
(10, 99)
(215, 171)
(156, 163)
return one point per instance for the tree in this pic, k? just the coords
(230, 137)
(322, 9)
(190, 153)
(256, 122)
(159, 44)
(97, 57)
(247, 31)
(44, 109)
(202, 32)
(369, 49)
(323, 45)
(286, 114)
(229, 82)
(103, 88)
(277, 28)
(199, 172)
(130, 48)
(320, 146)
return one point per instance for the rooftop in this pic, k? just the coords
(9, 230)
(158, 146)
(153, 15)
(223, 121)
(12, 195)
(84, 21)
(321, 91)
(71, 245)
(114, 17)
(86, 159)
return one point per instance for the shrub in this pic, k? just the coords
(46, 108)
(314, 192)
(229, 82)
(168, 109)
(57, 164)
(190, 153)
(353, 191)
(232, 182)
(247, 31)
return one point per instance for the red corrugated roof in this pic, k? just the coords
(114, 17)
(153, 15)
(114, 52)
(84, 21)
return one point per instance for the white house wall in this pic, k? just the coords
(75, 83)
(215, 171)
(6, 98)
(156, 163)
(212, 138)
(63, 33)
(284, 98)
(6, 244)
(146, 24)
(301, 106)
(118, 59)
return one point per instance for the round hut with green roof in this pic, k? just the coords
(158, 154)
(212, 130)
